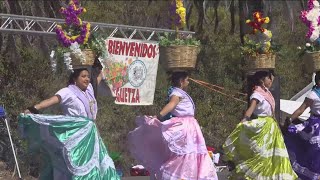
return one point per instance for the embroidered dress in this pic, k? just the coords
(257, 147)
(76, 102)
(71, 145)
(304, 146)
(174, 149)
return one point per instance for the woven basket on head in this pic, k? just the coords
(312, 61)
(89, 58)
(177, 58)
(260, 61)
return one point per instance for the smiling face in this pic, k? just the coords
(83, 80)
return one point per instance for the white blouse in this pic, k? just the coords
(71, 104)
(263, 108)
(315, 107)
(185, 107)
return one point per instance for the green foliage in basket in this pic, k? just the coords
(96, 43)
(251, 47)
(168, 40)
(309, 47)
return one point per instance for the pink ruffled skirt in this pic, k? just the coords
(172, 150)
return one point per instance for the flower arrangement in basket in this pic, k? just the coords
(178, 52)
(79, 45)
(257, 49)
(311, 18)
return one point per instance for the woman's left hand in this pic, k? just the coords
(97, 64)
(285, 125)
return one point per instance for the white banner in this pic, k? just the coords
(131, 70)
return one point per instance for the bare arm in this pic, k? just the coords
(306, 103)
(170, 106)
(248, 113)
(47, 103)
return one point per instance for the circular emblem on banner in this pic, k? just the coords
(137, 73)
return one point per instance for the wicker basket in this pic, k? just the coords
(177, 58)
(312, 61)
(261, 61)
(89, 58)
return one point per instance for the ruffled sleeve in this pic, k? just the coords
(176, 93)
(257, 96)
(65, 95)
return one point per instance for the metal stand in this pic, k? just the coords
(13, 150)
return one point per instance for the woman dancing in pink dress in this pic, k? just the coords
(174, 149)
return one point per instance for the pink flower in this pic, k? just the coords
(310, 4)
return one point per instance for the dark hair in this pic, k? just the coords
(176, 77)
(75, 74)
(316, 79)
(256, 80)
(259, 76)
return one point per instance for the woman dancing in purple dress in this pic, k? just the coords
(303, 138)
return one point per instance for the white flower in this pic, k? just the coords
(74, 46)
(299, 47)
(75, 49)
(67, 61)
(53, 61)
(308, 44)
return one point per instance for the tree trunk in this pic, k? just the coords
(232, 12)
(255, 5)
(198, 4)
(290, 12)
(216, 22)
(302, 4)
(242, 20)
(11, 50)
(188, 14)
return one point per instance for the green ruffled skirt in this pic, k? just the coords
(257, 148)
(71, 146)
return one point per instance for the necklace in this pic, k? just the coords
(91, 102)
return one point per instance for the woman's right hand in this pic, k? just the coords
(245, 118)
(27, 111)
(31, 110)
